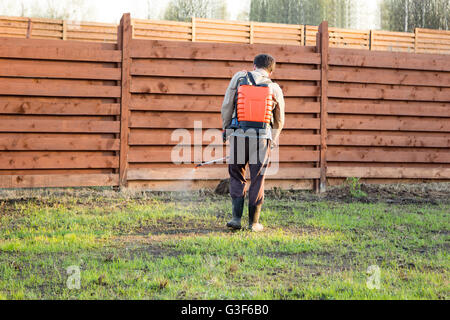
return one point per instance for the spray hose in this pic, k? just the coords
(210, 162)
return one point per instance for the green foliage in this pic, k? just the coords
(406, 15)
(339, 13)
(355, 187)
(184, 10)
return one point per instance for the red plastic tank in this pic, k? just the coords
(254, 103)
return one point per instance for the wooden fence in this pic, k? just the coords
(59, 113)
(388, 115)
(172, 88)
(208, 30)
(38, 28)
(83, 113)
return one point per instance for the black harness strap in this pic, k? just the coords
(252, 80)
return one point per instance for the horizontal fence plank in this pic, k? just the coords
(68, 44)
(52, 64)
(387, 141)
(395, 61)
(189, 155)
(66, 90)
(175, 185)
(60, 53)
(193, 71)
(54, 108)
(207, 87)
(178, 120)
(441, 110)
(273, 35)
(175, 103)
(221, 51)
(142, 28)
(150, 23)
(164, 137)
(75, 126)
(434, 33)
(389, 124)
(59, 72)
(172, 173)
(388, 172)
(408, 94)
(388, 54)
(19, 142)
(396, 77)
(58, 180)
(28, 117)
(275, 41)
(56, 160)
(55, 171)
(373, 155)
(162, 35)
(157, 102)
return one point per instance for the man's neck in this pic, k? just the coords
(263, 72)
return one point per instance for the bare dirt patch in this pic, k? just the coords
(432, 193)
(423, 193)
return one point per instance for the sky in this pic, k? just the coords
(112, 10)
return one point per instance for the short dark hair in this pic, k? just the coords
(264, 61)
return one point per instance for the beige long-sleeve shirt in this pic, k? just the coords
(260, 76)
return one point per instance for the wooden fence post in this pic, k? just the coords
(124, 37)
(64, 30)
(416, 31)
(304, 34)
(29, 29)
(193, 29)
(322, 48)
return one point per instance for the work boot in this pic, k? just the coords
(253, 218)
(238, 208)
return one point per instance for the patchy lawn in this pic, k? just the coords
(174, 245)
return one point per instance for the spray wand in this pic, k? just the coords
(210, 162)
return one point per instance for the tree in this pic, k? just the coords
(339, 13)
(184, 10)
(406, 15)
(218, 10)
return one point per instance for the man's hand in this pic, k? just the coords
(273, 144)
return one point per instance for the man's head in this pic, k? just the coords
(265, 61)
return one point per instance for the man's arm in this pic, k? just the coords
(278, 114)
(228, 101)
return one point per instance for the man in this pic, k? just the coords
(251, 146)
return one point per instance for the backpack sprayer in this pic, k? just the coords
(253, 109)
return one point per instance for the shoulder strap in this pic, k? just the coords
(238, 83)
(250, 76)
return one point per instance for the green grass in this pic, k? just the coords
(174, 246)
